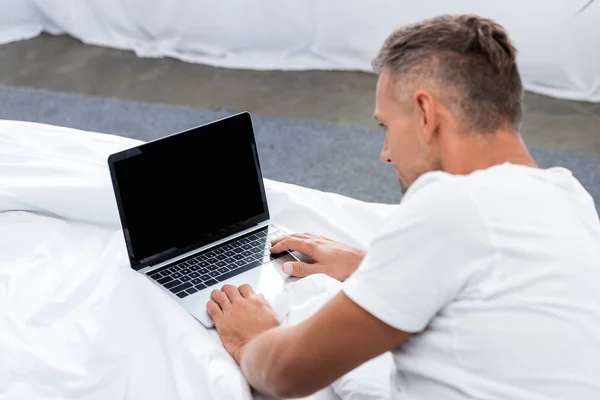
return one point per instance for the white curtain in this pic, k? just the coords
(559, 49)
(19, 20)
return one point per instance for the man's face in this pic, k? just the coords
(405, 146)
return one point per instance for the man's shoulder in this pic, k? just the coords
(439, 191)
(435, 181)
(430, 181)
(438, 202)
(448, 192)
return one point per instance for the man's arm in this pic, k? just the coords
(332, 258)
(297, 361)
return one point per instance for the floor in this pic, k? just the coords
(63, 64)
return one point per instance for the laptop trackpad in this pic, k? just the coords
(267, 279)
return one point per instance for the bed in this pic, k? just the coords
(77, 323)
(559, 50)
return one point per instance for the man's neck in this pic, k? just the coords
(466, 153)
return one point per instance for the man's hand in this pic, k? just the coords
(331, 258)
(239, 315)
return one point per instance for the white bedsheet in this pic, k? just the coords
(77, 323)
(559, 50)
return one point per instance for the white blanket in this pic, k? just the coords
(77, 323)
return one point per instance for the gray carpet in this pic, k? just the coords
(319, 155)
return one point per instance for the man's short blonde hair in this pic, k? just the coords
(469, 57)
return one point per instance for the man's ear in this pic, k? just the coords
(426, 107)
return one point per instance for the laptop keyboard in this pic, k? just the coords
(219, 263)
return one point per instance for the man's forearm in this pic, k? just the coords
(299, 360)
(266, 362)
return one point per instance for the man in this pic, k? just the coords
(486, 282)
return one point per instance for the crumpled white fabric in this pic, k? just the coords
(77, 323)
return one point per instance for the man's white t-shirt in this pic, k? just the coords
(499, 273)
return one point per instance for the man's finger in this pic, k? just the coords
(221, 299)
(275, 241)
(232, 293)
(295, 244)
(295, 235)
(246, 291)
(263, 299)
(301, 269)
(213, 309)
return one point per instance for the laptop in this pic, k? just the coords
(194, 213)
